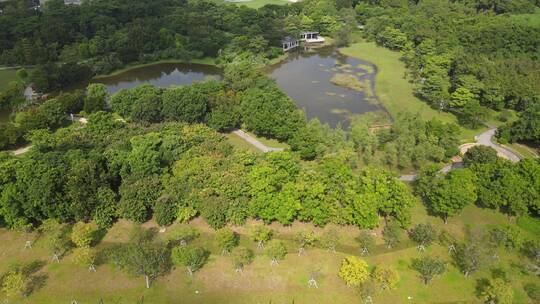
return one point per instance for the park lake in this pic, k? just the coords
(306, 76)
(318, 80)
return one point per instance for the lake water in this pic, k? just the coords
(305, 77)
(161, 75)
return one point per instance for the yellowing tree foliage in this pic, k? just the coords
(354, 271)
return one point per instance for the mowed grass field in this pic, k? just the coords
(217, 282)
(394, 91)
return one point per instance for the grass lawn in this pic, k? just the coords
(393, 90)
(525, 151)
(207, 61)
(240, 143)
(528, 19)
(217, 282)
(7, 76)
(272, 143)
(260, 3)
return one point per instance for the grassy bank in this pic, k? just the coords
(207, 61)
(393, 90)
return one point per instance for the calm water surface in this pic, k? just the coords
(305, 77)
(161, 75)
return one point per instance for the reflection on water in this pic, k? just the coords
(305, 77)
(161, 75)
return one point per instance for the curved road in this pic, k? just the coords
(483, 139)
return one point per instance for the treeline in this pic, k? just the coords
(460, 58)
(71, 42)
(109, 169)
(487, 181)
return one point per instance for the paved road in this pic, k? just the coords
(253, 141)
(484, 139)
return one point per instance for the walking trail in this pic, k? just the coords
(483, 139)
(256, 143)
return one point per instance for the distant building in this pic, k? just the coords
(311, 37)
(289, 43)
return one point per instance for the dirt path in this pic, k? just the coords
(253, 141)
(482, 139)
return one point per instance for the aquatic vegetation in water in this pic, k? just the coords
(348, 81)
(368, 68)
(340, 111)
(330, 93)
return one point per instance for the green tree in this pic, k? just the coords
(85, 256)
(14, 284)
(354, 271)
(461, 97)
(138, 197)
(147, 108)
(480, 155)
(305, 239)
(428, 268)
(473, 114)
(165, 211)
(269, 112)
(330, 239)
(386, 278)
(142, 256)
(241, 256)
(366, 241)
(226, 240)
(449, 195)
(496, 290)
(391, 234)
(186, 103)
(182, 234)
(55, 238)
(423, 235)
(276, 251)
(261, 235)
(96, 95)
(83, 234)
(471, 255)
(193, 258)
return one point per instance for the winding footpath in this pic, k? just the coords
(483, 139)
(254, 142)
